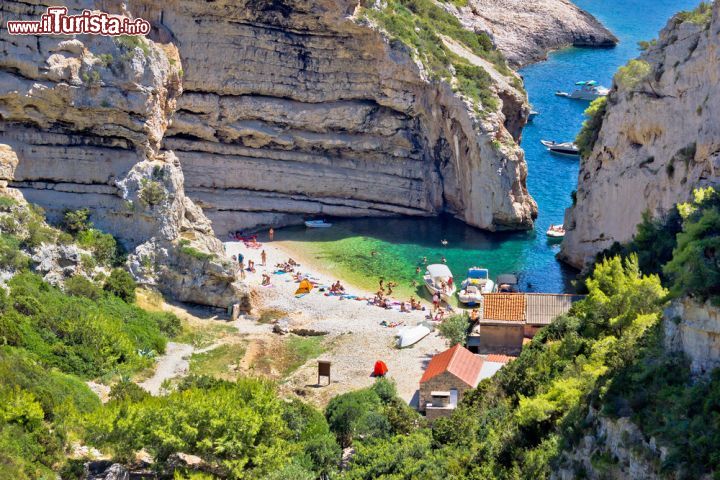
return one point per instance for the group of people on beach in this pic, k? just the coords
(337, 288)
(287, 267)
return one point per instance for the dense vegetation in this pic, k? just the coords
(421, 24)
(590, 130)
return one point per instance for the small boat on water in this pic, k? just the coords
(507, 283)
(589, 91)
(439, 279)
(317, 224)
(555, 232)
(568, 149)
(475, 285)
(532, 115)
(411, 335)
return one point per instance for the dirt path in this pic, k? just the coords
(174, 363)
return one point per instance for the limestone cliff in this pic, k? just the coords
(659, 138)
(293, 109)
(525, 30)
(81, 123)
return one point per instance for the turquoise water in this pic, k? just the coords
(363, 250)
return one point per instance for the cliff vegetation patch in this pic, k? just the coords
(418, 24)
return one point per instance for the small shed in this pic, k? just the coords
(455, 370)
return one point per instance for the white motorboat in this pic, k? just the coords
(507, 283)
(438, 279)
(532, 115)
(568, 149)
(411, 335)
(589, 91)
(317, 224)
(555, 232)
(475, 285)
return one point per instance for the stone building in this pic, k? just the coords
(448, 375)
(507, 319)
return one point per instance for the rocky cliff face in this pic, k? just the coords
(81, 125)
(694, 329)
(293, 109)
(659, 139)
(525, 30)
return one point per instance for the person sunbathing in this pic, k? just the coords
(265, 279)
(402, 307)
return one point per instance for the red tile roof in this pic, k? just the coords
(499, 358)
(458, 361)
(504, 306)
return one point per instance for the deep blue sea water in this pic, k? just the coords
(363, 250)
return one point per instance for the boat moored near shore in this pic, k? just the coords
(439, 279)
(588, 91)
(475, 285)
(567, 149)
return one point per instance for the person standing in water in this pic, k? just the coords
(271, 234)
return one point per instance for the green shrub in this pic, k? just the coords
(121, 284)
(7, 203)
(194, 252)
(103, 245)
(88, 338)
(633, 73)
(75, 221)
(11, 258)
(80, 286)
(590, 130)
(127, 391)
(131, 42)
(454, 329)
(701, 15)
(237, 427)
(152, 192)
(694, 269)
(106, 59)
(385, 389)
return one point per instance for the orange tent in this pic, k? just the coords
(380, 369)
(305, 287)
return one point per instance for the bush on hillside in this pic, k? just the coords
(80, 286)
(121, 284)
(76, 221)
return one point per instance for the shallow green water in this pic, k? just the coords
(362, 251)
(346, 248)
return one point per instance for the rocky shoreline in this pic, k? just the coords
(525, 31)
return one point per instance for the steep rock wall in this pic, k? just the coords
(659, 139)
(81, 124)
(293, 109)
(694, 329)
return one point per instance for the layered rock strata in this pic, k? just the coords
(81, 125)
(659, 139)
(294, 109)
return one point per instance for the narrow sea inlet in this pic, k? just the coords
(362, 251)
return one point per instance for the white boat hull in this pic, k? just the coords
(412, 335)
(471, 298)
(445, 296)
(581, 95)
(312, 224)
